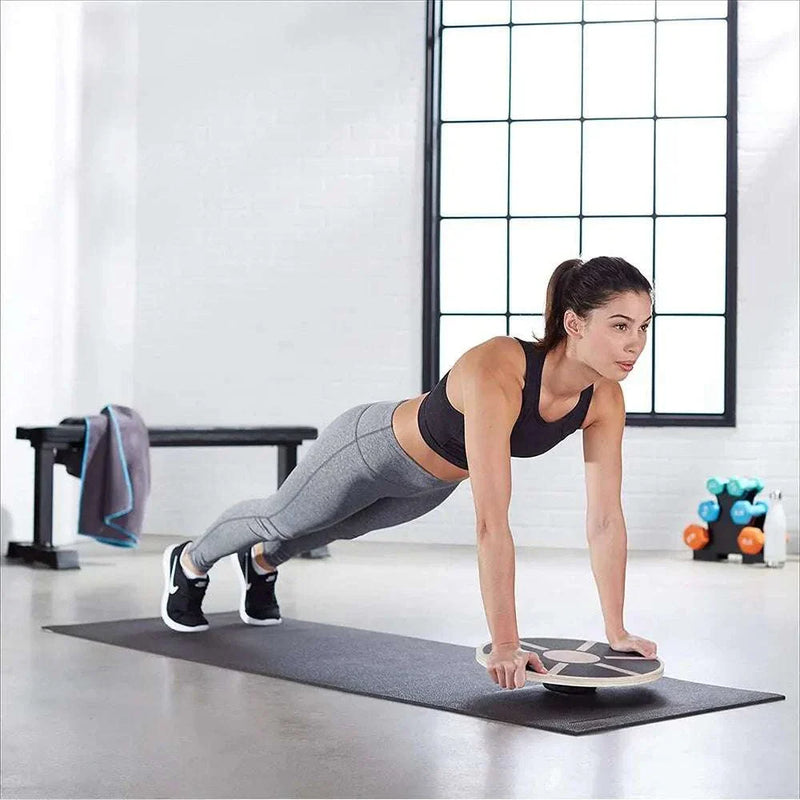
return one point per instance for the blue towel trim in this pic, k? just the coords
(107, 519)
(86, 425)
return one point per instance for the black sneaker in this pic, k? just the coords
(183, 596)
(258, 605)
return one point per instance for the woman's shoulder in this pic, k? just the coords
(502, 354)
(605, 403)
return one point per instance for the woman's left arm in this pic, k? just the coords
(608, 551)
(605, 522)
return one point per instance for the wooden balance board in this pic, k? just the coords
(578, 666)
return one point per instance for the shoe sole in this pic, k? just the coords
(170, 623)
(248, 620)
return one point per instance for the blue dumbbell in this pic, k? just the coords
(738, 486)
(716, 485)
(743, 511)
(708, 511)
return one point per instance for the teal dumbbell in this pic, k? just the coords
(716, 485)
(742, 511)
(738, 486)
(708, 511)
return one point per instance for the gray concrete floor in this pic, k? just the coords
(83, 719)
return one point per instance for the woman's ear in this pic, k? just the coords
(573, 324)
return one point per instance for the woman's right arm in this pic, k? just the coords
(492, 398)
(496, 574)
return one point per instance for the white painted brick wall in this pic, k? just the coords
(279, 196)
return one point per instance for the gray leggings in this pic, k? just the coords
(355, 478)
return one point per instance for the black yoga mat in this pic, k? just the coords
(410, 670)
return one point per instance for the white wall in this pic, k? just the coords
(68, 257)
(275, 272)
(39, 255)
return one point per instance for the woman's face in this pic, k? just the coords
(615, 333)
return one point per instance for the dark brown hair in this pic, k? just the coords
(584, 286)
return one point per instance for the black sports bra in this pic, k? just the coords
(442, 426)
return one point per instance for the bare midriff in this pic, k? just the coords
(406, 427)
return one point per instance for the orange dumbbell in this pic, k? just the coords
(750, 540)
(696, 536)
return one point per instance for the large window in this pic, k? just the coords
(567, 129)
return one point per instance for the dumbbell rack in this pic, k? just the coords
(723, 534)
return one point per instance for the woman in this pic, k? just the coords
(384, 463)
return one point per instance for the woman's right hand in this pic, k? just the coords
(507, 663)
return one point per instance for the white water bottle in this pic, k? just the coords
(775, 532)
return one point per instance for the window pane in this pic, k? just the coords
(459, 334)
(537, 247)
(692, 70)
(475, 12)
(672, 9)
(548, 50)
(474, 169)
(637, 385)
(546, 11)
(631, 239)
(690, 166)
(618, 167)
(690, 265)
(526, 327)
(619, 9)
(618, 70)
(545, 168)
(690, 364)
(475, 73)
(473, 265)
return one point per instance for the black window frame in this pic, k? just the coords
(431, 312)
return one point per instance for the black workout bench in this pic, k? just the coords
(53, 444)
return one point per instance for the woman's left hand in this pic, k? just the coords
(628, 643)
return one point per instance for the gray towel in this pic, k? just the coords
(114, 468)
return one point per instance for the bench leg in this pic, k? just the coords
(287, 461)
(41, 549)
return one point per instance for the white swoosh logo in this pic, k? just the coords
(173, 588)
